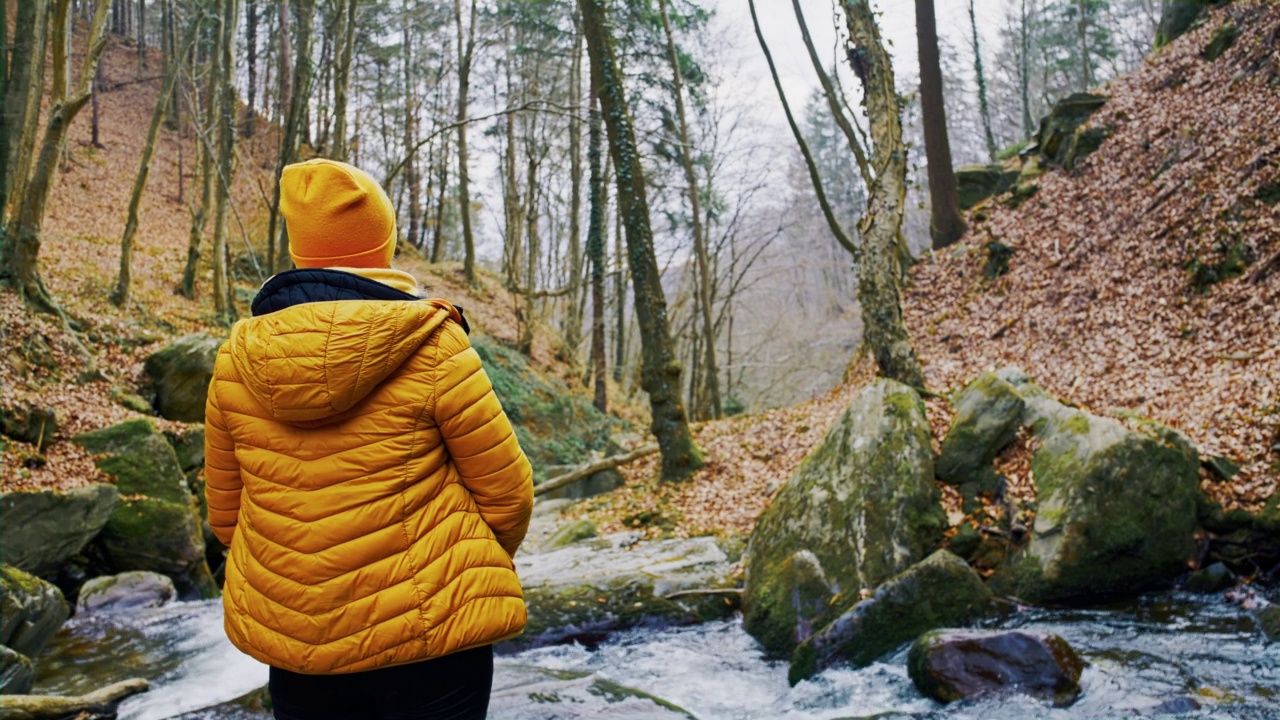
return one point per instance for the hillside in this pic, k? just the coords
(1139, 283)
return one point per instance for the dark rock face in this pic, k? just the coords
(861, 508)
(44, 528)
(942, 590)
(975, 183)
(181, 373)
(35, 425)
(951, 664)
(16, 672)
(1058, 129)
(31, 611)
(1210, 579)
(988, 413)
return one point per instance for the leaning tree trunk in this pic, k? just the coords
(946, 225)
(700, 253)
(19, 255)
(885, 333)
(120, 296)
(660, 372)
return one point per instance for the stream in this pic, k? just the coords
(1167, 655)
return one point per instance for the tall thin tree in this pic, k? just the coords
(946, 226)
(466, 51)
(984, 108)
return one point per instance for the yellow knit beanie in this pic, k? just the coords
(337, 215)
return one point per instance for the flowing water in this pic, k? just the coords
(1168, 655)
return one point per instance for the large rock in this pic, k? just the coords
(126, 591)
(29, 423)
(975, 183)
(942, 590)
(180, 374)
(31, 611)
(616, 582)
(1058, 128)
(988, 413)
(1116, 508)
(17, 674)
(158, 527)
(861, 508)
(44, 528)
(949, 665)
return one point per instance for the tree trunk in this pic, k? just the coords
(299, 94)
(342, 81)
(984, 108)
(533, 249)
(885, 333)
(1082, 31)
(828, 90)
(619, 290)
(596, 203)
(120, 296)
(1024, 70)
(712, 400)
(95, 125)
(251, 39)
(466, 47)
(411, 177)
(22, 105)
(200, 213)
(19, 257)
(946, 225)
(573, 325)
(660, 372)
(142, 36)
(223, 291)
(437, 242)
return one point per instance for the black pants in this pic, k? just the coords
(453, 687)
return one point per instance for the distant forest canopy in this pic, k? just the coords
(475, 116)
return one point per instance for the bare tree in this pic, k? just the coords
(946, 226)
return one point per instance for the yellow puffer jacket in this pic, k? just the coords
(369, 486)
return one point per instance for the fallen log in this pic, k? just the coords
(590, 469)
(50, 707)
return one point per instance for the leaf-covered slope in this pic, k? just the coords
(1141, 281)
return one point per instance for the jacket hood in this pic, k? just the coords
(309, 363)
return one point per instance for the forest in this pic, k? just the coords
(804, 300)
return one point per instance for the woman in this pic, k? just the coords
(363, 474)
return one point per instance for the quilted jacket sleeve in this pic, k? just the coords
(221, 471)
(481, 442)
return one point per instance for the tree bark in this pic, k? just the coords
(411, 178)
(660, 372)
(120, 296)
(712, 372)
(946, 225)
(251, 40)
(466, 49)
(99, 703)
(885, 333)
(342, 80)
(299, 94)
(223, 290)
(984, 108)
(596, 202)
(1082, 32)
(19, 257)
(828, 91)
(590, 469)
(22, 105)
(1024, 69)
(573, 325)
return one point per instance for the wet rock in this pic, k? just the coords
(180, 374)
(590, 486)
(940, 591)
(158, 527)
(1268, 618)
(16, 672)
(988, 412)
(1210, 579)
(44, 528)
(533, 693)
(1176, 706)
(31, 611)
(571, 533)
(126, 591)
(948, 665)
(592, 587)
(1116, 508)
(862, 505)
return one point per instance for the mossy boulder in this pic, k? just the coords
(31, 611)
(988, 412)
(161, 536)
(1058, 128)
(617, 582)
(940, 591)
(180, 375)
(570, 533)
(1116, 508)
(948, 665)
(17, 674)
(555, 425)
(1083, 143)
(534, 693)
(975, 183)
(29, 423)
(861, 508)
(126, 591)
(140, 459)
(44, 528)
(158, 526)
